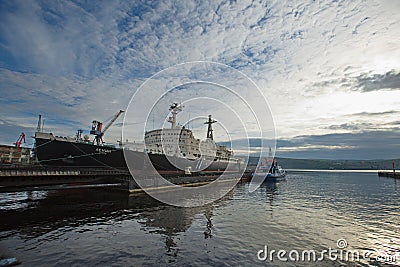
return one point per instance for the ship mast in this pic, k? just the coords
(175, 108)
(210, 130)
(39, 127)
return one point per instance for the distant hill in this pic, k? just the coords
(325, 164)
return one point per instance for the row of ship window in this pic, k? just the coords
(165, 134)
(193, 148)
(184, 154)
(166, 140)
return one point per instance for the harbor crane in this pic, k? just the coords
(20, 139)
(97, 126)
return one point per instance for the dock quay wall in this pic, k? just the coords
(389, 174)
(37, 176)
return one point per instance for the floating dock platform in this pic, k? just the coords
(389, 174)
(22, 178)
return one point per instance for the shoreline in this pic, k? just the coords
(324, 170)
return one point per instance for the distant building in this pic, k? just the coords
(14, 155)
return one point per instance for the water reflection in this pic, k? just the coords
(309, 210)
(208, 232)
(271, 191)
(33, 217)
(169, 221)
(18, 200)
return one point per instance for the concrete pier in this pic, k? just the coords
(389, 174)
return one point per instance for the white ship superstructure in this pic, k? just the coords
(179, 141)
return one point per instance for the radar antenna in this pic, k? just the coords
(175, 108)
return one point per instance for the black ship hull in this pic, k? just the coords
(53, 152)
(65, 153)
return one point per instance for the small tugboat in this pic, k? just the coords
(276, 172)
(271, 172)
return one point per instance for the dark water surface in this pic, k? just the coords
(309, 211)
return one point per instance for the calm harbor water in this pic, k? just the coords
(309, 211)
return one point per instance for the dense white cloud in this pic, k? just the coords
(321, 64)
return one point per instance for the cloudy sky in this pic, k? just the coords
(330, 70)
